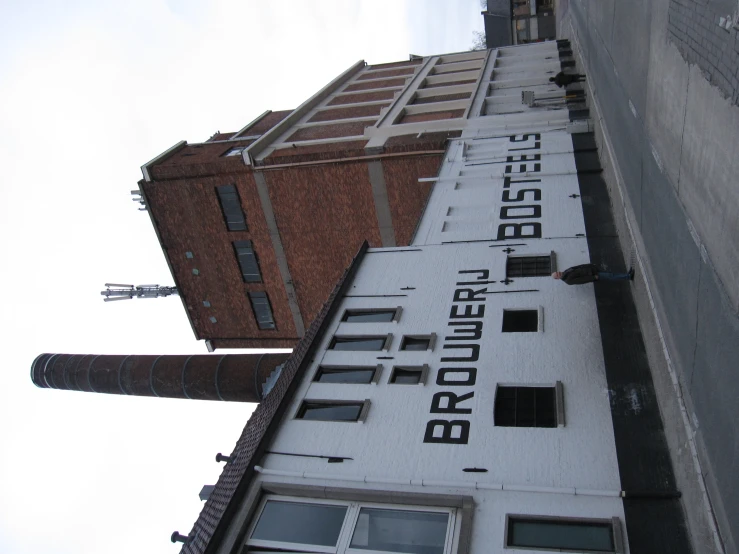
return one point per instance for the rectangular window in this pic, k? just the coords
(520, 321)
(356, 375)
(262, 310)
(235, 151)
(529, 266)
(409, 375)
(333, 410)
(418, 342)
(308, 525)
(375, 343)
(247, 261)
(563, 534)
(230, 202)
(371, 316)
(535, 406)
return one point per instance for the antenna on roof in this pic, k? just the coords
(114, 291)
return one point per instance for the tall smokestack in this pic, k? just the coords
(232, 377)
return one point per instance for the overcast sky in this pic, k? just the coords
(89, 91)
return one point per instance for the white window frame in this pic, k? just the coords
(396, 317)
(350, 520)
(431, 337)
(424, 369)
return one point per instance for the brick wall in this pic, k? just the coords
(189, 219)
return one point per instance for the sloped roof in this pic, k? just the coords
(262, 425)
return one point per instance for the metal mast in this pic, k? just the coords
(115, 291)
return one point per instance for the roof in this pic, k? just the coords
(498, 23)
(237, 475)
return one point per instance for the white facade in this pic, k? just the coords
(507, 189)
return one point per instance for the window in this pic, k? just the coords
(371, 316)
(529, 406)
(563, 534)
(247, 261)
(381, 342)
(356, 375)
(418, 342)
(235, 151)
(409, 375)
(333, 410)
(233, 215)
(262, 310)
(520, 321)
(345, 527)
(529, 266)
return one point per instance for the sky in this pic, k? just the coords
(89, 92)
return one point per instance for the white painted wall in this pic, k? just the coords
(458, 232)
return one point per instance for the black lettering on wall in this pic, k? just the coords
(535, 212)
(450, 406)
(519, 231)
(473, 357)
(448, 428)
(521, 195)
(468, 311)
(473, 330)
(469, 295)
(484, 273)
(470, 374)
(508, 181)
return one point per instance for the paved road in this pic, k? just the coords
(675, 137)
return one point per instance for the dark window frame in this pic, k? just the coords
(558, 409)
(229, 200)
(248, 261)
(431, 338)
(397, 310)
(233, 151)
(377, 371)
(337, 339)
(364, 406)
(543, 265)
(507, 328)
(423, 371)
(262, 295)
(614, 523)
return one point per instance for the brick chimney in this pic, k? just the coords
(230, 377)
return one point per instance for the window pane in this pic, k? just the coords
(330, 412)
(528, 266)
(262, 310)
(361, 375)
(415, 343)
(315, 524)
(233, 214)
(247, 261)
(525, 407)
(358, 343)
(520, 321)
(406, 376)
(369, 317)
(400, 531)
(564, 535)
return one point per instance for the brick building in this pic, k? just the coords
(256, 225)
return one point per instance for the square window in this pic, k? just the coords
(418, 342)
(520, 321)
(332, 410)
(371, 316)
(562, 534)
(529, 266)
(370, 343)
(409, 375)
(356, 375)
(314, 524)
(523, 406)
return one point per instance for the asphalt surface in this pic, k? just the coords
(674, 131)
